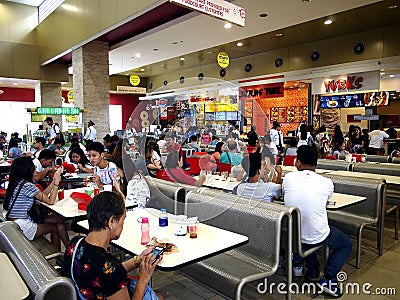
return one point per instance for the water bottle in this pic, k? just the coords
(163, 219)
(145, 227)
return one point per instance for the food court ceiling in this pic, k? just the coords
(197, 37)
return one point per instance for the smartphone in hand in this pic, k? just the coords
(157, 251)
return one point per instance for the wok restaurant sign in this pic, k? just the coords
(346, 84)
(216, 8)
(273, 90)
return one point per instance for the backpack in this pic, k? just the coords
(61, 134)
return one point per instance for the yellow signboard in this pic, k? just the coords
(70, 96)
(223, 59)
(72, 118)
(134, 80)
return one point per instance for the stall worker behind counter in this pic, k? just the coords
(104, 171)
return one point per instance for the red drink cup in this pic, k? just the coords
(61, 194)
(96, 191)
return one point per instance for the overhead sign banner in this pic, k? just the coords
(56, 110)
(217, 8)
(272, 90)
(351, 83)
(131, 89)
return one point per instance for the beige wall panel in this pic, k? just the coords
(143, 4)
(108, 13)
(264, 63)
(236, 69)
(54, 73)
(392, 109)
(58, 32)
(4, 13)
(125, 8)
(45, 38)
(22, 20)
(392, 41)
(78, 21)
(92, 14)
(344, 125)
(299, 56)
(342, 47)
(25, 61)
(67, 29)
(6, 66)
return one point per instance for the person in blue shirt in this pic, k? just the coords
(231, 157)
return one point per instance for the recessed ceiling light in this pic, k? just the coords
(138, 55)
(155, 49)
(161, 65)
(306, 1)
(228, 25)
(182, 58)
(210, 52)
(391, 76)
(174, 43)
(263, 15)
(296, 84)
(279, 34)
(383, 73)
(239, 44)
(142, 70)
(392, 6)
(328, 22)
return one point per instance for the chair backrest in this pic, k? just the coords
(168, 195)
(259, 223)
(223, 167)
(194, 162)
(395, 160)
(328, 164)
(289, 160)
(384, 169)
(378, 158)
(40, 277)
(373, 189)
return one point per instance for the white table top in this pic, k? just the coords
(210, 240)
(68, 207)
(5, 164)
(217, 182)
(11, 284)
(389, 179)
(342, 200)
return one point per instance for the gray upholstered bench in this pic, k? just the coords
(228, 272)
(370, 213)
(39, 276)
(337, 165)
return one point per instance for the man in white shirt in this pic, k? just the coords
(266, 191)
(310, 192)
(43, 164)
(91, 134)
(376, 141)
(53, 131)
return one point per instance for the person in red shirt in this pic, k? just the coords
(171, 145)
(174, 172)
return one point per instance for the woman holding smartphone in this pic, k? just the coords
(95, 272)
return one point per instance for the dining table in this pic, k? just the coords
(68, 207)
(210, 240)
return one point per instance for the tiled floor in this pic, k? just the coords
(375, 272)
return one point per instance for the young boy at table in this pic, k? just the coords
(310, 192)
(104, 171)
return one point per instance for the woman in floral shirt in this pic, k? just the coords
(96, 273)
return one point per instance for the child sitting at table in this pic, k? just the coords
(104, 171)
(340, 149)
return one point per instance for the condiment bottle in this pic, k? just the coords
(163, 219)
(145, 227)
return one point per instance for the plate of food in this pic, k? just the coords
(332, 103)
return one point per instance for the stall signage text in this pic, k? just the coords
(217, 8)
(262, 91)
(58, 110)
(350, 83)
